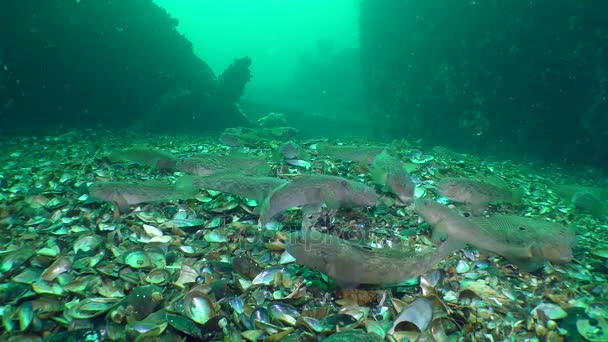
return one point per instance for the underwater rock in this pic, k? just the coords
(335, 192)
(124, 194)
(388, 171)
(477, 194)
(350, 265)
(241, 136)
(272, 120)
(231, 82)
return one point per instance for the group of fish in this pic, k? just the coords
(525, 242)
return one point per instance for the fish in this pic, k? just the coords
(551, 241)
(357, 154)
(214, 164)
(146, 156)
(255, 188)
(335, 192)
(589, 202)
(125, 194)
(387, 171)
(351, 265)
(291, 150)
(477, 194)
(593, 200)
(525, 242)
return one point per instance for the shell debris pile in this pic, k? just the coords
(199, 266)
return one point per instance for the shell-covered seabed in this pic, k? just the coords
(74, 268)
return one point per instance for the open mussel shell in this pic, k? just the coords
(141, 330)
(14, 259)
(259, 316)
(441, 329)
(199, 306)
(137, 259)
(142, 301)
(159, 276)
(87, 243)
(284, 313)
(90, 307)
(415, 318)
(59, 266)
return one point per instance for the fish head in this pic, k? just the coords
(104, 191)
(402, 186)
(560, 254)
(289, 150)
(231, 139)
(429, 210)
(166, 163)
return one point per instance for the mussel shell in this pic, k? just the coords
(259, 314)
(199, 306)
(138, 259)
(417, 315)
(61, 265)
(184, 324)
(159, 276)
(284, 313)
(91, 307)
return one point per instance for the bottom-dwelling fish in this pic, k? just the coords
(335, 192)
(387, 171)
(124, 194)
(350, 265)
(255, 188)
(477, 194)
(525, 242)
(147, 156)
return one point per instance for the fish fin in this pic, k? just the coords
(496, 181)
(439, 235)
(121, 205)
(476, 209)
(185, 186)
(310, 215)
(518, 194)
(378, 176)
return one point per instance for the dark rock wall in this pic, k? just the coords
(100, 62)
(503, 77)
